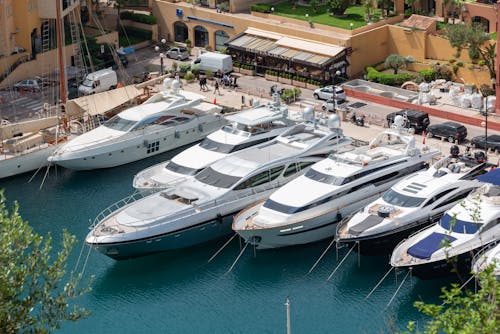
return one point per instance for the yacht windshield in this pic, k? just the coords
(172, 166)
(120, 124)
(237, 129)
(214, 178)
(324, 178)
(397, 199)
(458, 226)
(211, 145)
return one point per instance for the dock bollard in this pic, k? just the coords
(243, 99)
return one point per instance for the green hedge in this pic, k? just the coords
(428, 74)
(141, 18)
(387, 78)
(143, 34)
(261, 8)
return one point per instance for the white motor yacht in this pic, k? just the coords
(308, 208)
(490, 257)
(464, 230)
(413, 203)
(167, 120)
(201, 209)
(245, 129)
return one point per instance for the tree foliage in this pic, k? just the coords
(464, 311)
(395, 62)
(473, 37)
(338, 7)
(35, 292)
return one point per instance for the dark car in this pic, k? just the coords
(450, 130)
(416, 119)
(493, 142)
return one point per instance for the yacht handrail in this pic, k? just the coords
(136, 195)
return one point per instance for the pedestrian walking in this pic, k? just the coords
(234, 81)
(204, 83)
(201, 83)
(216, 90)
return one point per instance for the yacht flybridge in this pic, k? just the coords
(245, 129)
(167, 120)
(308, 208)
(201, 208)
(462, 231)
(413, 203)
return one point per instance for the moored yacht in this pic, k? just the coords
(308, 208)
(490, 257)
(200, 209)
(245, 129)
(413, 203)
(462, 231)
(167, 120)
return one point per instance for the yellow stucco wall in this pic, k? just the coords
(368, 48)
(7, 27)
(25, 19)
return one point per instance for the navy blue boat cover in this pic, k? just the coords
(427, 246)
(491, 177)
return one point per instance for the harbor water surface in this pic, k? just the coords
(179, 292)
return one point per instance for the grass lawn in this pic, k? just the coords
(354, 15)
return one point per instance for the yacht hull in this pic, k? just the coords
(384, 243)
(188, 237)
(131, 150)
(459, 265)
(15, 165)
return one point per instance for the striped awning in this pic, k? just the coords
(294, 49)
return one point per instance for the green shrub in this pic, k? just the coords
(223, 50)
(290, 94)
(184, 67)
(188, 42)
(388, 78)
(236, 64)
(142, 34)
(481, 62)
(460, 64)
(189, 76)
(372, 74)
(136, 17)
(209, 74)
(455, 68)
(261, 7)
(428, 74)
(195, 69)
(452, 60)
(486, 90)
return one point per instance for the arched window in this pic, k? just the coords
(220, 38)
(180, 32)
(484, 22)
(200, 36)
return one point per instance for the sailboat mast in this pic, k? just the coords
(60, 52)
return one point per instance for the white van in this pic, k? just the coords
(98, 81)
(213, 61)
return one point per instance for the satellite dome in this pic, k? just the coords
(334, 121)
(167, 83)
(307, 114)
(399, 121)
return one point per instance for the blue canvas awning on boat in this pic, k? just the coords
(427, 246)
(491, 177)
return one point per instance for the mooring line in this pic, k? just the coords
(338, 266)
(223, 246)
(321, 257)
(239, 255)
(402, 282)
(379, 282)
(45, 176)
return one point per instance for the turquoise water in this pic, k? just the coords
(179, 292)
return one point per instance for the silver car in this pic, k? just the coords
(178, 52)
(330, 92)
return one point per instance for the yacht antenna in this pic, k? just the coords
(288, 323)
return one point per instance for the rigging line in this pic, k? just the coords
(80, 255)
(223, 246)
(239, 255)
(395, 293)
(380, 282)
(33, 176)
(338, 266)
(321, 257)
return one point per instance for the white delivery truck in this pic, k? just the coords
(98, 81)
(213, 61)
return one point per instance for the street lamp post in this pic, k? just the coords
(485, 124)
(335, 76)
(157, 48)
(351, 25)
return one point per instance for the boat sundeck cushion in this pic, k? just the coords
(427, 246)
(370, 221)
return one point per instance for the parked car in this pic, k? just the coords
(330, 92)
(415, 119)
(450, 130)
(33, 85)
(493, 142)
(178, 52)
(331, 104)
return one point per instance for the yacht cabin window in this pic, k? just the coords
(212, 145)
(119, 124)
(439, 196)
(397, 199)
(172, 166)
(214, 178)
(261, 178)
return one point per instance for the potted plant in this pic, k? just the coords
(285, 78)
(299, 81)
(247, 69)
(188, 42)
(312, 84)
(271, 75)
(236, 67)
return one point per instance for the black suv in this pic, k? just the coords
(493, 142)
(417, 120)
(449, 130)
